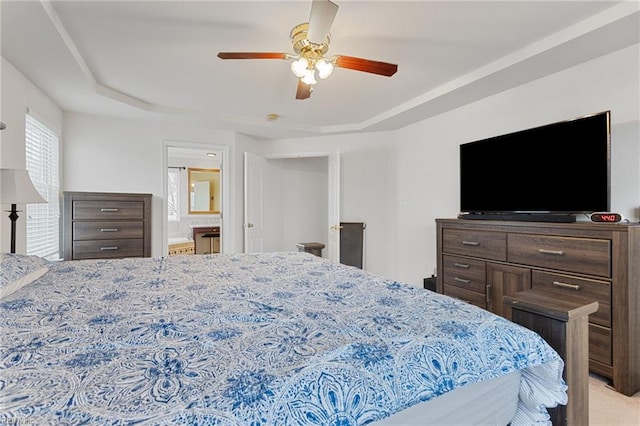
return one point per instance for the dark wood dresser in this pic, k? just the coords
(481, 261)
(101, 225)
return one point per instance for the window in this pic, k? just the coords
(43, 229)
(173, 193)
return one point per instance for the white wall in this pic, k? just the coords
(367, 185)
(428, 151)
(368, 182)
(418, 179)
(19, 95)
(115, 155)
(295, 203)
(397, 182)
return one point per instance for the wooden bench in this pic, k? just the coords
(564, 324)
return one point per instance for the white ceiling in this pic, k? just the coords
(157, 59)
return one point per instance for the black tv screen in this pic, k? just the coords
(562, 167)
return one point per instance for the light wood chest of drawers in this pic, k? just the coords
(187, 247)
(103, 225)
(483, 261)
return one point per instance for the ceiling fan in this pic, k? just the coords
(310, 43)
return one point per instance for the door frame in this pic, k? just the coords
(333, 204)
(227, 234)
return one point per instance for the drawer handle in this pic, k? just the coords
(108, 210)
(108, 229)
(487, 290)
(565, 285)
(461, 265)
(470, 243)
(462, 280)
(556, 252)
(109, 248)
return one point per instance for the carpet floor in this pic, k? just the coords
(610, 408)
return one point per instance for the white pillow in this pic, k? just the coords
(19, 270)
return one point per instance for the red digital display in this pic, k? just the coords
(606, 217)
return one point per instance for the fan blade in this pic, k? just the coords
(366, 65)
(304, 90)
(321, 17)
(253, 55)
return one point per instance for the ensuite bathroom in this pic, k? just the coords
(194, 198)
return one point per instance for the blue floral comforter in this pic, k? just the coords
(264, 339)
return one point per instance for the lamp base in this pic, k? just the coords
(14, 217)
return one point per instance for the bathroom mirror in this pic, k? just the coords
(204, 191)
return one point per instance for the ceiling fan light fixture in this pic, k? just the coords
(299, 67)
(311, 49)
(324, 67)
(309, 77)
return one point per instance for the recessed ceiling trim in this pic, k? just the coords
(68, 41)
(99, 88)
(529, 52)
(519, 57)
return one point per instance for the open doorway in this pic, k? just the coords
(297, 202)
(295, 209)
(188, 226)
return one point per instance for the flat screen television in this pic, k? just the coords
(556, 169)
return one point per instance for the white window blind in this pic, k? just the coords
(43, 228)
(173, 194)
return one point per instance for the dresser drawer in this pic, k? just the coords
(600, 344)
(568, 286)
(485, 244)
(103, 249)
(581, 255)
(106, 210)
(466, 273)
(478, 299)
(106, 225)
(109, 230)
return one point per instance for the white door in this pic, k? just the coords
(334, 208)
(254, 171)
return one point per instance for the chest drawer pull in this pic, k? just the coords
(470, 243)
(461, 265)
(109, 248)
(487, 291)
(104, 209)
(462, 280)
(108, 229)
(565, 285)
(556, 252)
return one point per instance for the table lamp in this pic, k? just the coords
(16, 188)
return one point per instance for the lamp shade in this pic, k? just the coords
(16, 188)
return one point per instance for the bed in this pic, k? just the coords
(256, 339)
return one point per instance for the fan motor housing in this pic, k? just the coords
(302, 45)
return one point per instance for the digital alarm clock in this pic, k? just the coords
(606, 217)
